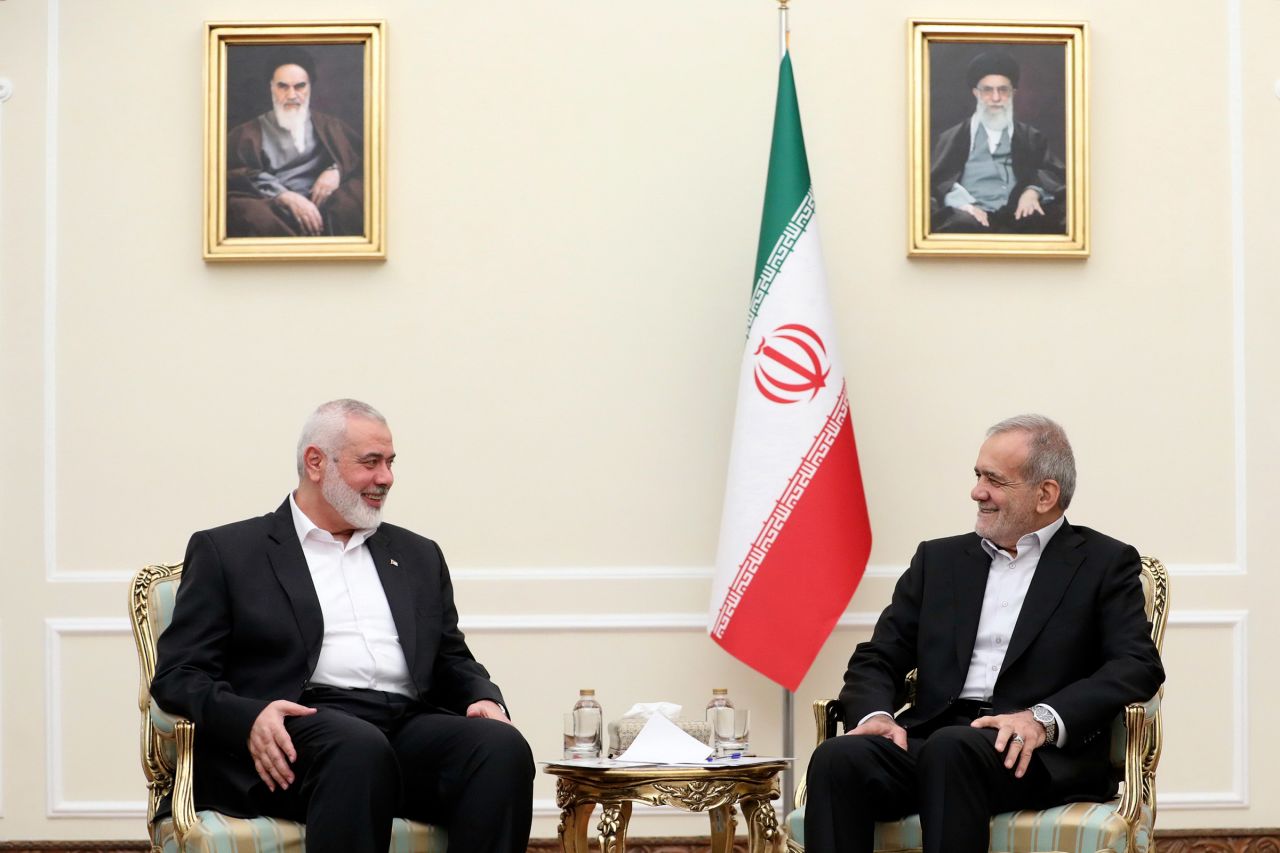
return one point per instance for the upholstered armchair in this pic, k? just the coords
(1123, 825)
(167, 757)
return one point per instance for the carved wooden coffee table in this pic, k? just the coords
(714, 790)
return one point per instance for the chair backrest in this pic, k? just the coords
(1155, 590)
(151, 598)
(1155, 587)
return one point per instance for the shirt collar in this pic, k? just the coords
(1040, 537)
(305, 527)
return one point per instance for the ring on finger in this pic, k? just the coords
(1019, 740)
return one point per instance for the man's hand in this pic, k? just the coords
(488, 709)
(324, 186)
(884, 726)
(1019, 732)
(307, 214)
(978, 214)
(270, 745)
(1028, 203)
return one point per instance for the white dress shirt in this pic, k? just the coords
(1007, 583)
(361, 647)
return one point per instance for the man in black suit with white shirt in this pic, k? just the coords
(317, 651)
(1029, 636)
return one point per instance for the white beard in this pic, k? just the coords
(347, 502)
(997, 119)
(294, 121)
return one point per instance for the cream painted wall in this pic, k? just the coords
(573, 197)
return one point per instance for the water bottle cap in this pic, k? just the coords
(586, 693)
(719, 691)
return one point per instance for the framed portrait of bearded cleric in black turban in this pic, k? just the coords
(294, 141)
(999, 160)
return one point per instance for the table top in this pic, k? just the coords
(632, 774)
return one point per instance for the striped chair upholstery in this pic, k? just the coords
(1123, 825)
(167, 757)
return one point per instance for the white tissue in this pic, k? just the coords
(645, 710)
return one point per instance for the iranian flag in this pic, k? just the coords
(795, 536)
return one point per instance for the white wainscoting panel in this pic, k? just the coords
(57, 803)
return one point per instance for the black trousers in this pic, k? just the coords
(952, 776)
(367, 756)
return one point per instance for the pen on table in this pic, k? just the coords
(734, 755)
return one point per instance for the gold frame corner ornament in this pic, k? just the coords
(1073, 36)
(369, 246)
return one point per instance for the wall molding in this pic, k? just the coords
(1239, 377)
(1238, 796)
(49, 344)
(2, 764)
(559, 574)
(56, 803)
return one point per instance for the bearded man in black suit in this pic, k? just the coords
(1029, 635)
(317, 651)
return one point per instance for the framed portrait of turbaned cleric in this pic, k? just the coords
(294, 162)
(999, 139)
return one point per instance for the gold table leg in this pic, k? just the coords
(763, 834)
(613, 826)
(573, 827)
(723, 824)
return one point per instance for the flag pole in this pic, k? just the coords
(788, 698)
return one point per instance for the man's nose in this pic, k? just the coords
(383, 476)
(978, 492)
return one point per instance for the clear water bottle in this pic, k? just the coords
(588, 725)
(720, 717)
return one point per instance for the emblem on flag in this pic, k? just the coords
(790, 363)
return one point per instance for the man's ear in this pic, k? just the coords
(1047, 496)
(313, 459)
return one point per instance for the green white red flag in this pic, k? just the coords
(794, 536)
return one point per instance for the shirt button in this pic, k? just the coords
(1004, 604)
(999, 641)
(994, 668)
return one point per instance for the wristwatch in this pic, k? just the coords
(1045, 718)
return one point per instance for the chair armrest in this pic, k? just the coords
(1141, 754)
(183, 804)
(828, 714)
(181, 732)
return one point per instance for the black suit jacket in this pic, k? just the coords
(1082, 644)
(247, 630)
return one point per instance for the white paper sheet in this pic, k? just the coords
(663, 742)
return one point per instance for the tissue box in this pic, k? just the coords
(622, 732)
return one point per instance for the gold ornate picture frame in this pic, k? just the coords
(295, 148)
(999, 143)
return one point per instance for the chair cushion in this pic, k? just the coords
(217, 833)
(160, 600)
(163, 724)
(1073, 828)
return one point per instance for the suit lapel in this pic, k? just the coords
(396, 586)
(970, 586)
(290, 566)
(1057, 566)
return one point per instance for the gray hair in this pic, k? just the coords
(326, 428)
(1049, 456)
